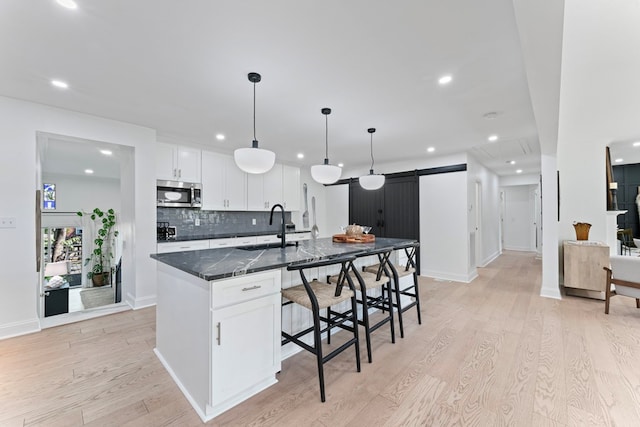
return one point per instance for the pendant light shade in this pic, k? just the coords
(372, 181)
(254, 160)
(326, 173)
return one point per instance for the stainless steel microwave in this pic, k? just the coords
(176, 194)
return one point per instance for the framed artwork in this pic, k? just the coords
(48, 196)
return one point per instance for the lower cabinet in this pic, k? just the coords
(245, 346)
(219, 340)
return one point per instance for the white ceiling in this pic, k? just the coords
(181, 68)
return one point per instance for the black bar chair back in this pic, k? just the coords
(366, 281)
(397, 272)
(316, 296)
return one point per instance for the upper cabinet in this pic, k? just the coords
(291, 188)
(264, 190)
(224, 185)
(177, 163)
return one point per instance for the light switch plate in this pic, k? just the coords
(7, 222)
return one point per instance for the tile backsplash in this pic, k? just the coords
(213, 223)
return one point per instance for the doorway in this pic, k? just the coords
(77, 175)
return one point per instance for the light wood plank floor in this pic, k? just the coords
(489, 353)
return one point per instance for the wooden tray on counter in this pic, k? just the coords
(364, 238)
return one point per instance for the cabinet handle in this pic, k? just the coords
(175, 173)
(219, 328)
(251, 288)
(179, 173)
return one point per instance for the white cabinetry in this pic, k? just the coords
(291, 188)
(219, 340)
(245, 351)
(264, 190)
(224, 185)
(177, 163)
(190, 245)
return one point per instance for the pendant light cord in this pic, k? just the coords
(254, 111)
(326, 136)
(372, 161)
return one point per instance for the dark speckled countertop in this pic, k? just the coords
(213, 264)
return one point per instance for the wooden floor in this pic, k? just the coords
(489, 353)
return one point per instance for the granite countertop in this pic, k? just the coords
(213, 264)
(228, 235)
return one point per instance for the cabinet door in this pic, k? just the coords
(235, 186)
(273, 186)
(188, 164)
(165, 162)
(246, 346)
(291, 188)
(213, 177)
(255, 192)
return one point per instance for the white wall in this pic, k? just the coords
(444, 235)
(19, 284)
(337, 212)
(490, 226)
(526, 179)
(74, 193)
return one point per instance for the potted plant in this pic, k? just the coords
(102, 254)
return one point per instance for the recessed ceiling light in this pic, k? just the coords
(445, 80)
(60, 84)
(511, 162)
(431, 149)
(619, 160)
(88, 171)
(493, 138)
(106, 152)
(220, 137)
(300, 156)
(340, 165)
(636, 144)
(69, 4)
(519, 171)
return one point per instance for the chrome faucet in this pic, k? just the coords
(282, 232)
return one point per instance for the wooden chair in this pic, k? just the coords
(627, 244)
(624, 275)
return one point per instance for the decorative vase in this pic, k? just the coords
(582, 230)
(100, 279)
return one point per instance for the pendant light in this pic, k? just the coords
(371, 181)
(326, 173)
(254, 160)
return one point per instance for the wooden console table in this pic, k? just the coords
(584, 275)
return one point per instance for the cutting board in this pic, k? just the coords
(364, 238)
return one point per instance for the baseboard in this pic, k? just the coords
(443, 275)
(518, 249)
(15, 329)
(138, 303)
(490, 259)
(550, 293)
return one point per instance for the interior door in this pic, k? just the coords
(400, 208)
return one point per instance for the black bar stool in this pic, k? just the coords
(315, 296)
(364, 281)
(397, 272)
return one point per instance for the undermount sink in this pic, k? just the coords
(265, 246)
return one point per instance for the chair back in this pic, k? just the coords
(625, 272)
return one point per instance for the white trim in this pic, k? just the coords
(14, 329)
(443, 275)
(78, 316)
(490, 259)
(138, 303)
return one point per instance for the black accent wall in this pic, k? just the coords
(628, 179)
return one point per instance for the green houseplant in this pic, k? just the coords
(102, 254)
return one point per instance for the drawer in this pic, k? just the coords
(235, 290)
(297, 237)
(222, 243)
(190, 245)
(245, 241)
(271, 238)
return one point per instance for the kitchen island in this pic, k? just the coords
(219, 316)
